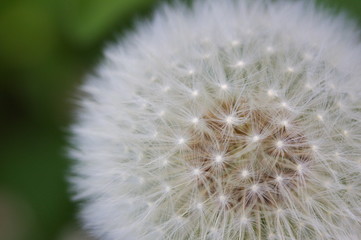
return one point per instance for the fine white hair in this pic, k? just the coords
(224, 120)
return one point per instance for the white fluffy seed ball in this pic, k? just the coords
(227, 120)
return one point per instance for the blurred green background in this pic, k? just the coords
(46, 48)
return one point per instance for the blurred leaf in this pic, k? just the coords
(88, 20)
(27, 35)
(33, 166)
(351, 7)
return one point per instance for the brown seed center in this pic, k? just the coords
(249, 158)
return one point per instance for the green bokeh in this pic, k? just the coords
(46, 48)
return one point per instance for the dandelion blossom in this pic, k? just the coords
(226, 120)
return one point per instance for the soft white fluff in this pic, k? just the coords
(230, 120)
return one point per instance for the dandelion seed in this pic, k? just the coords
(235, 43)
(271, 236)
(195, 93)
(140, 180)
(244, 173)
(314, 147)
(270, 49)
(255, 138)
(279, 211)
(327, 184)
(181, 141)
(299, 168)
(285, 123)
(167, 189)
(218, 159)
(349, 188)
(271, 93)
(178, 218)
(196, 172)
(244, 220)
(307, 56)
(153, 79)
(195, 120)
(279, 144)
(165, 162)
(155, 134)
(161, 113)
(223, 199)
(254, 188)
(290, 69)
(166, 89)
(340, 105)
(230, 120)
(224, 86)
(207, 56)
(320, 117)
(240, 63)
(279, 179)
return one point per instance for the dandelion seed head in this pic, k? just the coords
(248, 129)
